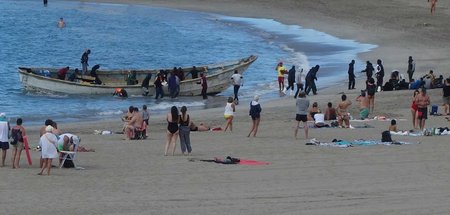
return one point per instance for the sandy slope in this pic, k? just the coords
(132, 177)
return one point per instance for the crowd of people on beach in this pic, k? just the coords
(52, 143)
(366, 100)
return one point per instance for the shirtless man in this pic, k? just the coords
(343, 115)
(422, 101)
(61, 23)
(135, 122)
(363, 105)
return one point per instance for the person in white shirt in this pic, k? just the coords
(319, 120)
(4, 136)
(299, 79)
(238, 81)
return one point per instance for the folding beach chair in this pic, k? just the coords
(69, 155)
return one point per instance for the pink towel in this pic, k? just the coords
(252, 162)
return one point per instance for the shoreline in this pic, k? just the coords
(397, 31)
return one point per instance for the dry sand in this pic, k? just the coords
(133, 177)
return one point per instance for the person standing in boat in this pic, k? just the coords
(194, 72)
(84, 61)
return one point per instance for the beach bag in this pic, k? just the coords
(68, 164)
(434, 110)
(386, 136)
(16, 135)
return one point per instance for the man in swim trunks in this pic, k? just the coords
(302, 104)
(363, 105)
(281, 71)
(343, 114)
(422, 101)
(136, 122)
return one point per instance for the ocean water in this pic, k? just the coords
(124, 36)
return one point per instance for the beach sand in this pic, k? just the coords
(133, 177)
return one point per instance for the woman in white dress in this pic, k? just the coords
(48, 152)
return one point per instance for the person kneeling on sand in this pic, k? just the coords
(363, 105)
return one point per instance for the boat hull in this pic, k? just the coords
(218, 79)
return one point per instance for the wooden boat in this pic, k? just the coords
(45, 79)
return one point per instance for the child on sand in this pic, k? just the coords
(393, 126)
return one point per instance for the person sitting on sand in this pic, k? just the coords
(393, 126)
(330, 112)
(319, 120)
(363, 105)
(314, 110)
(342, 111)
(200, 127)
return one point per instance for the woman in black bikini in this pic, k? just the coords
(172, 130)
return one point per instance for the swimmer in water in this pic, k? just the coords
(61, 23)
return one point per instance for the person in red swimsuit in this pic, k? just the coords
(414, 109)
